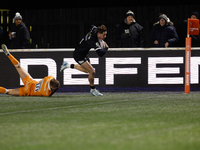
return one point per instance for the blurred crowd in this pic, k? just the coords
(163, 32)
(128, 33)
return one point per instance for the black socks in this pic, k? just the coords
(92, 87)
(72, 66)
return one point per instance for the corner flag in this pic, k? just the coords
(192, 29)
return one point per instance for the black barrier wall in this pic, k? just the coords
(125, 70)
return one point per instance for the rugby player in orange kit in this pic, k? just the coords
(45, 87)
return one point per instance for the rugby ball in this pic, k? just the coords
(102, 44)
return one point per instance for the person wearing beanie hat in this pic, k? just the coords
(194, 15)
(163, 16)
(17, 16)
(163, 19)
(195, 38)
(130, 13)
(129, 32)
(168, 20)
(164, 34)
(19, 34)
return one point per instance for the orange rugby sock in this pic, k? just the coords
(14, 61)
(3, 90)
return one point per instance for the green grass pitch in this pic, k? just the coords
(116, 121)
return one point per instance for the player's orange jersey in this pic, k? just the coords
(34, 88)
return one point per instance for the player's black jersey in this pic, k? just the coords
(88, 42)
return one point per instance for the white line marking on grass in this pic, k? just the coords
(54, 108)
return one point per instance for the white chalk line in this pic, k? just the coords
(89, 104)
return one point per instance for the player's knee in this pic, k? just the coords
(92, 72)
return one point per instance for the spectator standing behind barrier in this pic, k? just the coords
(164, 34)
(154, 26)
(129, 32)
(195, 38)
(19, 34)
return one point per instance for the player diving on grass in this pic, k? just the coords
(94, 39)
(45, 87)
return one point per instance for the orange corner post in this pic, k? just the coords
(192, 29)
(187, 63)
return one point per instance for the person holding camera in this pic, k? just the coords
(129, 32)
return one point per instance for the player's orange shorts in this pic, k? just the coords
(28, 85)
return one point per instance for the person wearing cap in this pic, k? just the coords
(164, 34)
(129, 32)
(19, 34)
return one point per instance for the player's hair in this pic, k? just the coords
(101, 29)
(55, 83)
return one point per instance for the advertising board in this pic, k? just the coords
(119, 70)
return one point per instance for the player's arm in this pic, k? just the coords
(101, 52)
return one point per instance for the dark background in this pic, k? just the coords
(62, 24)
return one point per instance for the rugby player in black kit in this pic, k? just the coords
(92, 40)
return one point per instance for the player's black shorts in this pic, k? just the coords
(79, 58)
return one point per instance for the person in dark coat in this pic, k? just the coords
(19, 34)
(129, 32)
(195, 38)
(164, 34)
(157, 23)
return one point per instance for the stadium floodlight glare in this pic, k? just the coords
(192, 29)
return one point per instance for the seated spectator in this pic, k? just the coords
(164, 34)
